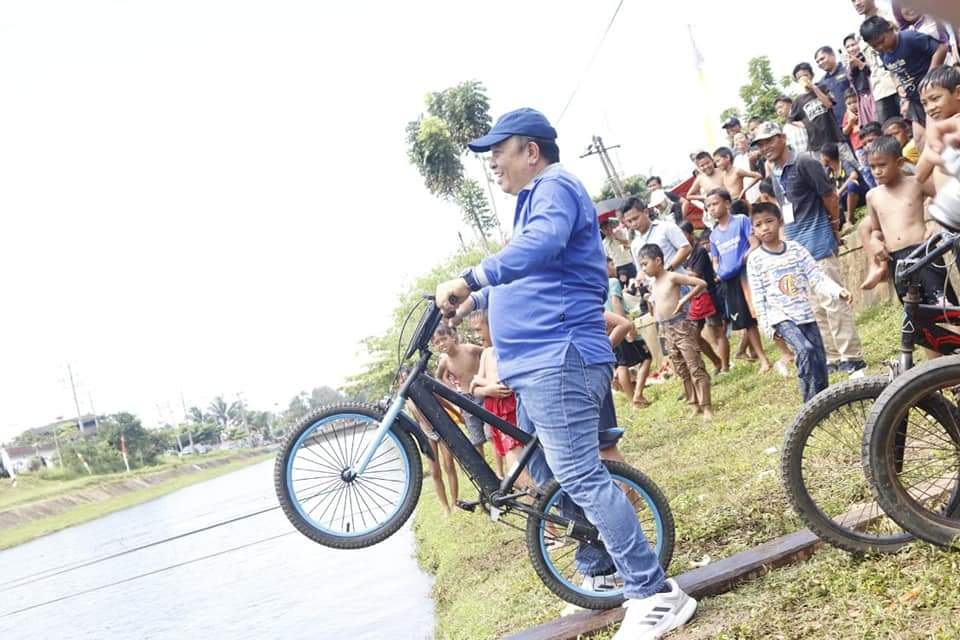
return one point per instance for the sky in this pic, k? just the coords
(213, 198)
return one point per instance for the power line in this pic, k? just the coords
(67, 568)
(596, 52)
(142, 575)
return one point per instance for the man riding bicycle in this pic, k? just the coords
(545, 293)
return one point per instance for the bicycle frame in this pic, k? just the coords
(420, 389)
(924, 323)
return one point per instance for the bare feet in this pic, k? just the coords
(876, 275)
(694, 411)
(764, 367)
(707, 413)
(641, 402)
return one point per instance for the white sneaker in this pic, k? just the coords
(650, 618)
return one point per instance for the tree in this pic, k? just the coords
(432, 150)
(730, 112)
(224, 414)
(633, 186)
(473, 204)
(760, 93)
(437, 142)
(465, 108)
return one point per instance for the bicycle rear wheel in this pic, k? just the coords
(822, 471)
(911, 451)
(554, 556)
(330, 507)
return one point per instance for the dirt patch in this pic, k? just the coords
(16, 516)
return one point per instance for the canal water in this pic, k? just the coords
(253, 578)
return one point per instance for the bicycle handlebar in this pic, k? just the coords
(923, 256)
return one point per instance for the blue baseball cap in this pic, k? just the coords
(522, 122)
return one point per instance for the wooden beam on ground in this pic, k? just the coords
(712, 579)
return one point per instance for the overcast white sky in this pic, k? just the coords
(213, 197)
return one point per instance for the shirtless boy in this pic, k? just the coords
(895, 208)
(460, 362)
(708, 178)
(497, 398)
(733, 178)
(681, 334)
(940, 96)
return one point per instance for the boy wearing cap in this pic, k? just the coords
(811, 210)
(545, 293)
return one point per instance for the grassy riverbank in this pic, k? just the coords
(32, 488)
(724, 487)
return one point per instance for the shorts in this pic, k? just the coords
(473, 424)
(933, 279)
(506, 410)
(716, 320)
(630, 354)
(702, 307)
(735, 310)
(915, 111)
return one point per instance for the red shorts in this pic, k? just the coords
(506, 410)
(702, 307)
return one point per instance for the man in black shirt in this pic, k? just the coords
(814, 108)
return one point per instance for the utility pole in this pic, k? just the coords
(76, 403)
(597, 148)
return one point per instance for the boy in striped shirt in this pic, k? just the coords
(782, 275)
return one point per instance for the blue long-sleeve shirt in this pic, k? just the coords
(546, 289)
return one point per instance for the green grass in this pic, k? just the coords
(86, 512)
(50, 483)
(724, 487)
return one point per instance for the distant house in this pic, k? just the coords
(87, 426)
(19, 458)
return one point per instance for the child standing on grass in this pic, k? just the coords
(441, 454)
(497, 398)
(630, 350)
(670, 311)
(460, 362)
(782, 275)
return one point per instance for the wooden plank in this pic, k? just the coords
(712, 579)
(721, 576)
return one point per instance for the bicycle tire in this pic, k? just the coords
(854, 397)
(536, 535)
(913, 388)
(365, 489)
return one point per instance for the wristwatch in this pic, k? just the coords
(471, 280)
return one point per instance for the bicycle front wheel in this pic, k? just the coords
(823, 475)
(331, 507)
(555, 557)
(911, 451)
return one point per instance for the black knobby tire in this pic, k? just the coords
(889, 426)
(387, 492)
(831, 424)
(653, 499)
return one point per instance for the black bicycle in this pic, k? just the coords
(822, 464)
(349, 476)
(911, 444)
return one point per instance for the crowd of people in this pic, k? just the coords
(774, 204)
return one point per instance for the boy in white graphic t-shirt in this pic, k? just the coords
(781, 275)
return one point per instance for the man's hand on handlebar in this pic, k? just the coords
(453, 296)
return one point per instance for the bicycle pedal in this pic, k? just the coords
(468, 505)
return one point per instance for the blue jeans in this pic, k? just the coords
(562, 405)
(807, 344)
